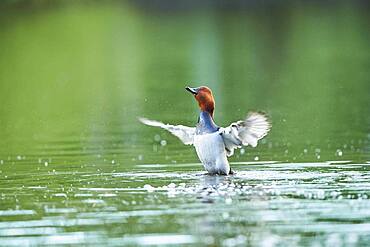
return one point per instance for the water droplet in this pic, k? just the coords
(163, 143)
(209, 240)
(157, 138)
(339, 152)
(171, 185)
(113, 161)
(140, 157)
(19, 157)
(256, 158)
(149, 188)
(242, 151)
(305, 150)
(228, 201)
(46, 163)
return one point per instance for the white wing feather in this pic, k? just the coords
(247, 132)
(184, 133)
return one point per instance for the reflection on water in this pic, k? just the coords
(76, 167)
(279, 202)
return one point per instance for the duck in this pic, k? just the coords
(214, 144)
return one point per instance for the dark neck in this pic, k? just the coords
(206, 123)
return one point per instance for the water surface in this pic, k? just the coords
(76, 167)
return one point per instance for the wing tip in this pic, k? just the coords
(142, 120)
(260, 113)
(149, 122)
(265, 116)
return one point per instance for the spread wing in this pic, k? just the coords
(247, 132)
(184, 133)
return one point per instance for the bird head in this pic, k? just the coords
(204, 97)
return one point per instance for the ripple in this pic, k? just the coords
(161, 239)
(28, 231)
(56, 222)
(273, 175)
(262, 197)
(60, 210)
(16, 212)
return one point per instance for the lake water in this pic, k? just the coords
(77, 168)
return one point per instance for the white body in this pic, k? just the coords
(211, 152)
(213, 148)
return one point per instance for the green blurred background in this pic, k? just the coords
(77, 168)
(75, 75)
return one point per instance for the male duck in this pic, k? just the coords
(213, 143)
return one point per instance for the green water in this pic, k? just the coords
(77, 168)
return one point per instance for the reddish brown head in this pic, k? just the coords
(204, 97)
